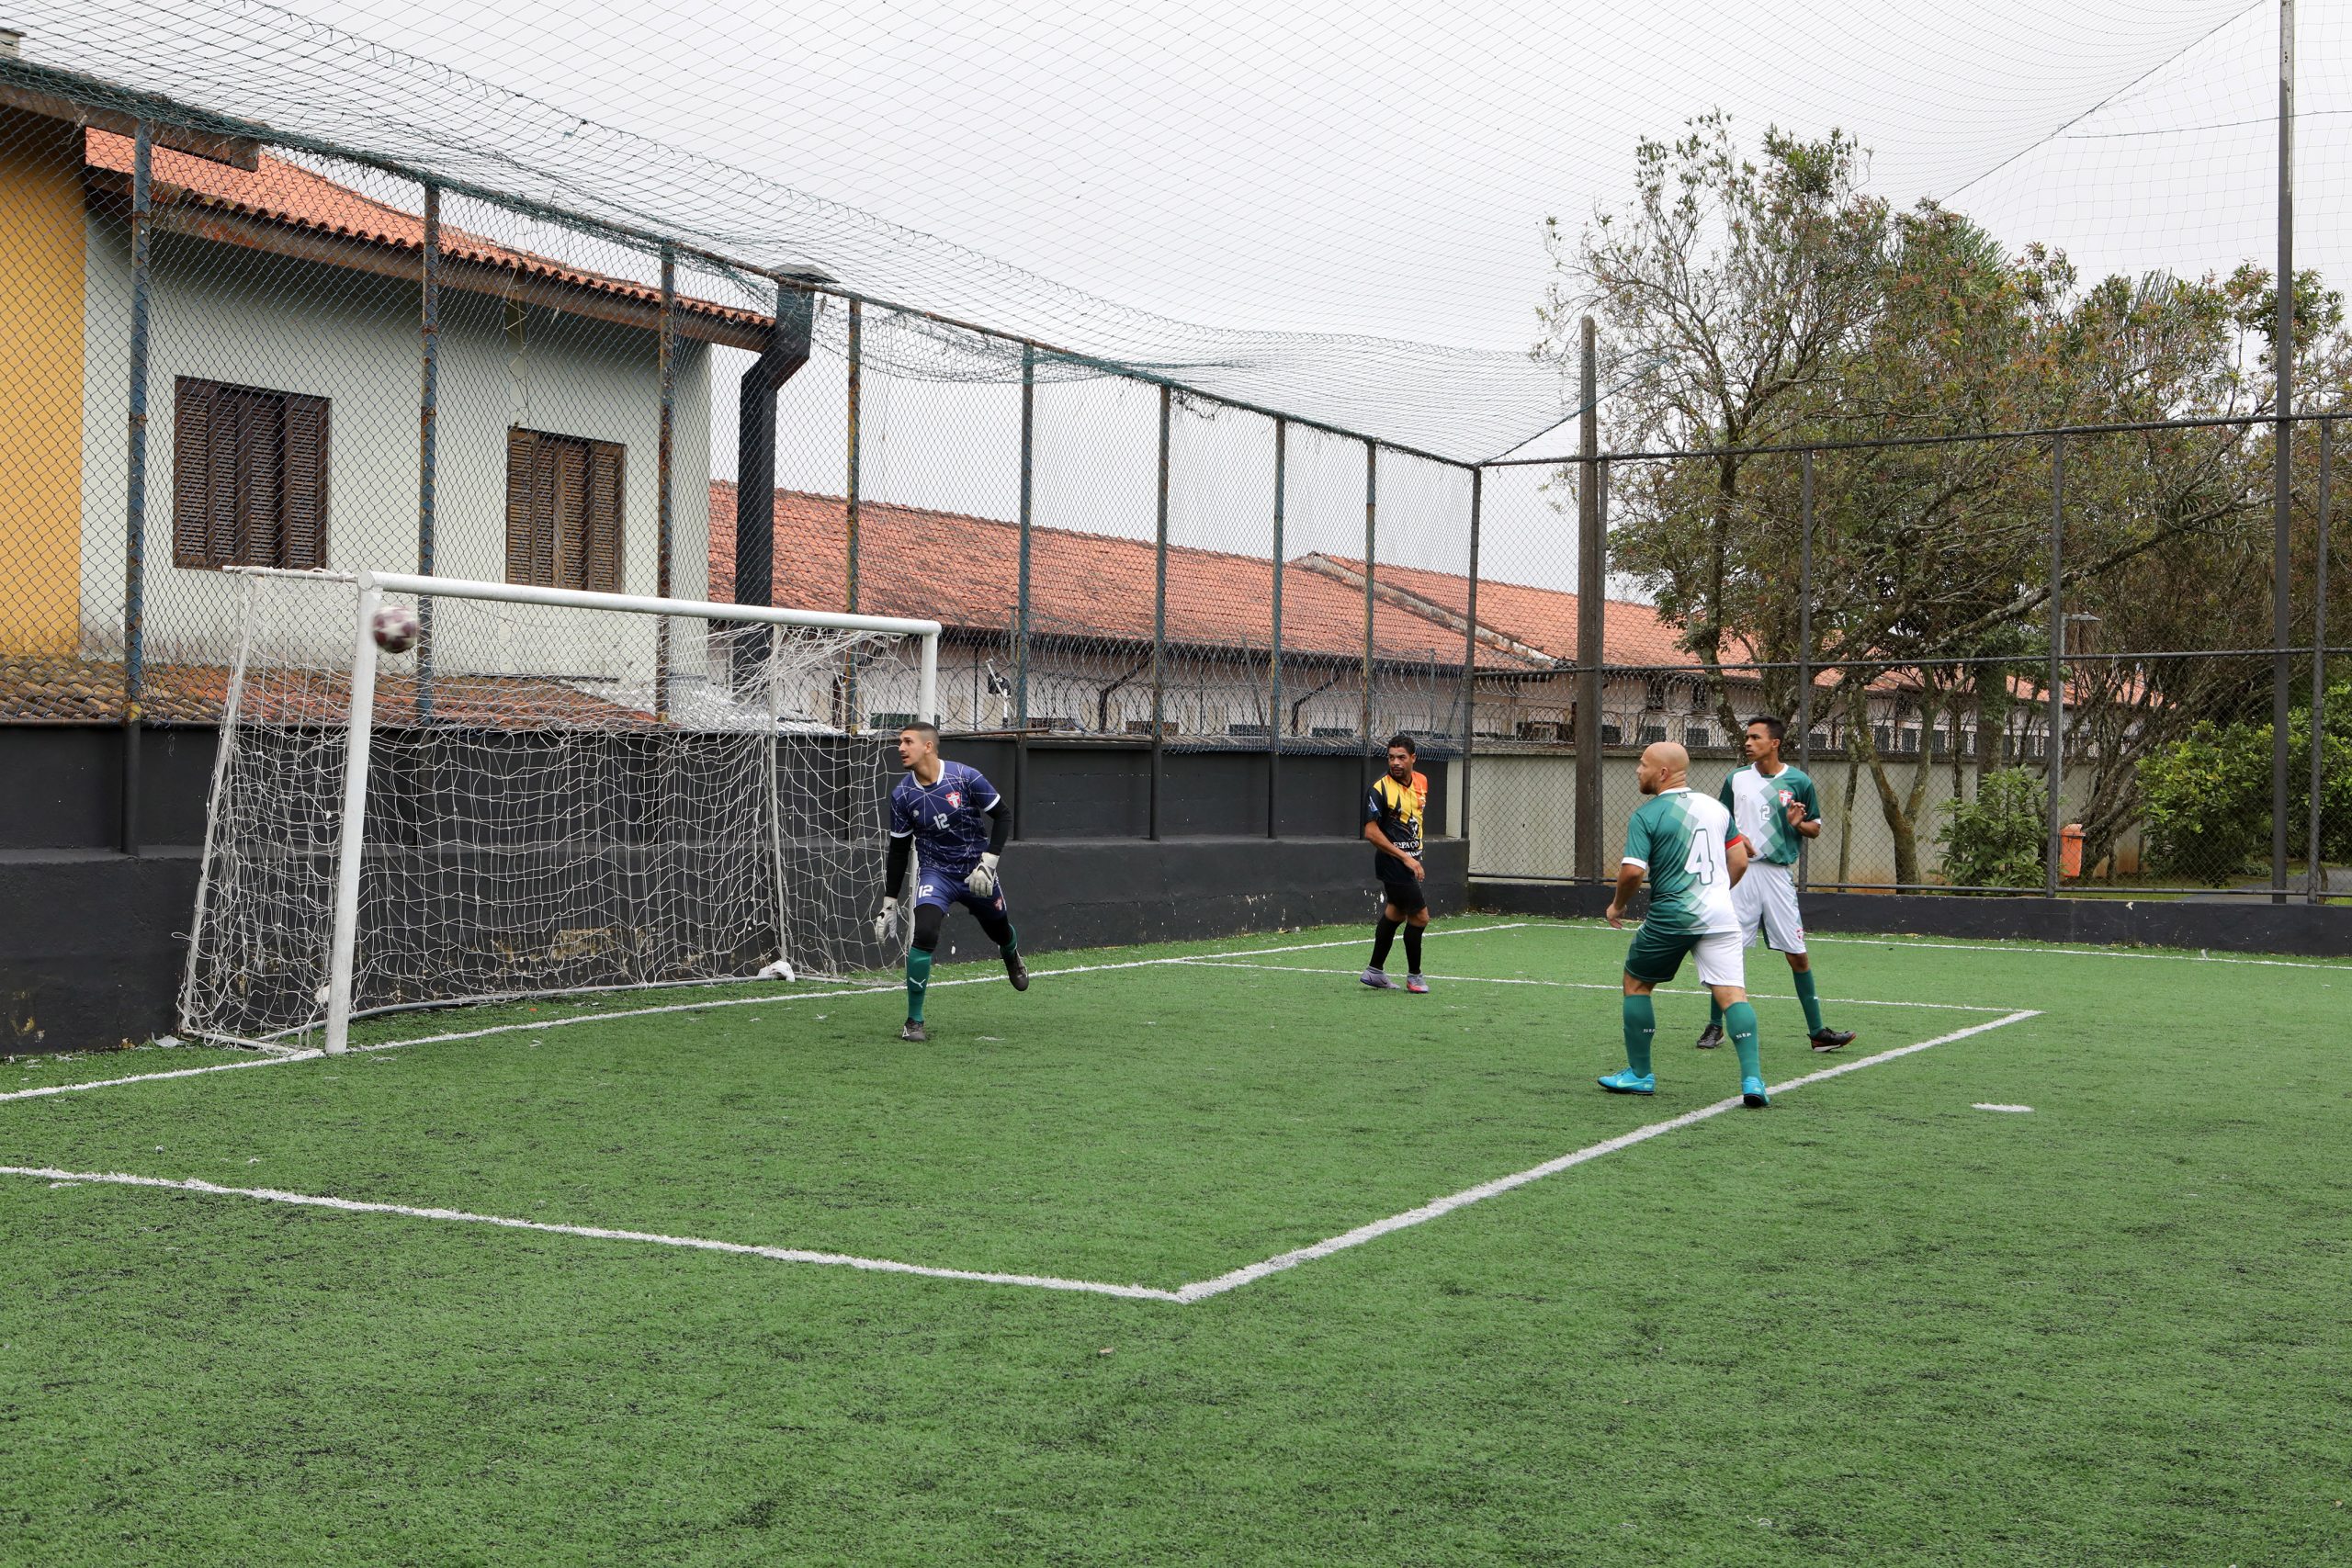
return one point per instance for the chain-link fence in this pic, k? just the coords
(237, 352)
(1921, 618)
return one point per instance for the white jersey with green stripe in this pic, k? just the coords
(1759, 806)
(1680, 838)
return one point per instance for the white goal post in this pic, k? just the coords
(555, 791)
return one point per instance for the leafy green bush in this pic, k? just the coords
(2206, 802)
(1996, 840)
(2206, 799)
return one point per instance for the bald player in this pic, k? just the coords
(1692, 854)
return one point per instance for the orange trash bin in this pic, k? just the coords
(2070, 849)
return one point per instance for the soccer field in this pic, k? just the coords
(1206, 1253)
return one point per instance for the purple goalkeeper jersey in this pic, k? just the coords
(948, 820)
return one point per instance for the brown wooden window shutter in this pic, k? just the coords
(249, 477)
(602, 553)
(191, 471)
(302, 539)
(563, 510)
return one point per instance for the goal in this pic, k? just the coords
(554, 792)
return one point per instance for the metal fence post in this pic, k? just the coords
(1274, 645)
(1804, 645)
(1592, 529)
(1371, 543)
(664, 453)
(134, 550)
(849, 517)
(2315, 877)
(853, 483)
(2053, 846)
(2282, 472)
(1470, 654)
(1159, 610)
(1021, 600)
(428, 441)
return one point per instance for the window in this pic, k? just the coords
(1650, 734)
(249, 477)
(563, 511)
(1697, 736)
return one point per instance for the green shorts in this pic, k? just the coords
(1656, 956)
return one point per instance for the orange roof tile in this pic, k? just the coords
(279, 192)
(964, 571)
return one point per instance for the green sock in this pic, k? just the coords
(1714, 1013)
(1813, 1024)
(1739, 1018)
(918, 981)
(1011, 942)
(1641, 1023)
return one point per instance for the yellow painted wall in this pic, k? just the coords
(42, 259)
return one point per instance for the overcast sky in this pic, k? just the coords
(1386, 167)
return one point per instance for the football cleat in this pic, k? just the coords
(1415, 985)
(1377, 979)
(914, 1029)
(1710, 1037)
(1752, 1095)
(1832, 1039)
(1630, 1082)
(1017, 971)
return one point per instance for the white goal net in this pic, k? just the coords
(552, 791)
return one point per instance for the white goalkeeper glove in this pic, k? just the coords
(886, 924)
(983, 878)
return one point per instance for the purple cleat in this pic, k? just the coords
(1377, 979)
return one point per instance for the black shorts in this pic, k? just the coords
(1405, 893)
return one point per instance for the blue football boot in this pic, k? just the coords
(1630, 1082)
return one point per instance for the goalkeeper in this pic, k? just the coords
(957, 823)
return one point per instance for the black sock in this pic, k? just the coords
(1413, 950)
(1383, 935)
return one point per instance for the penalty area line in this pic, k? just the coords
(1183, 1295)
(1203, 1289)
(595, 1232)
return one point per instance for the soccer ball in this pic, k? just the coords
(396, 628)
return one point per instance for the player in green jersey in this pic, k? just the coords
(1776, 810)
(1692, 854)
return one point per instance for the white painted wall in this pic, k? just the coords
(228, 313)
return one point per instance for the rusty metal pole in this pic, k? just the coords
(134, 551)
(1020, 603)
(1274, 649)
(1160, 614)
(2315, 878)
(1370, 544)
(1592, 531)
(1804, 645)
(2283, 356)
(428, 430)
(2053, 846)
(854, 482)
(664, 455)
(1470, 654)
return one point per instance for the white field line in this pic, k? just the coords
(597, 1233)
(1995, 945)
(1203, 1289)
(1587, 985)
(1981, 1105)
(1183, 1295)
(770, 1001)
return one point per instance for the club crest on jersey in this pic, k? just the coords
(954, 797)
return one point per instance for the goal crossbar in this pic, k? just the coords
(369, 588)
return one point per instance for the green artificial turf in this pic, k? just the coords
(1871, 1324)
